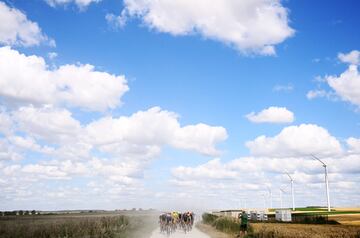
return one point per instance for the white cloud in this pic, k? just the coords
(249, 26)
(213, 169)
(52, 55)
(347, 85)
(201, 138)
(5, 123)
(352, 57)
(248, 179)
(81, 4)
(272, 115)
(74, 85)
(49, 124)
(29, 143)
(151, 129)
(317, 93)
(16, 29)
(283, 88)
(115, 21)
(8, 152)
(354, 144)
(301, 140)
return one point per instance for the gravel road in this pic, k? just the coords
(194, 233)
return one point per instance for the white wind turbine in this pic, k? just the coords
(292, 191)
(271, 198)
(281, 200)
(326, 182)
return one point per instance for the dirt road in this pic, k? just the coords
(194, 233)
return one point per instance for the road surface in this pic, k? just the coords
(194, 233)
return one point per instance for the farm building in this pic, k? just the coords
(258, 216)
(283, 215)
(231, 213)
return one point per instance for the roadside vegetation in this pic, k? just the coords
(71, 226)
(282, 230)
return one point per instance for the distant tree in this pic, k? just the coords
(26, 213)
(21, 212)
(33, 212)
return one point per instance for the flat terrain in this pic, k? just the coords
(346, 219)
(305, 230)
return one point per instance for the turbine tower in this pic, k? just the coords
(270, 193)
(281, 201)
(326, 182)
(292, 191)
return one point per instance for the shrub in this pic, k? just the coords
(226, 224)
(209, 218)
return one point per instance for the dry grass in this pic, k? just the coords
(341, 209)
(67, 226)
(347, 219)
(265, 230)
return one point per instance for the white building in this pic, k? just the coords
(283, 215)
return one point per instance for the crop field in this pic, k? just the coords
(77, 225)
(265, 230)
(346, 219)
(348, 227)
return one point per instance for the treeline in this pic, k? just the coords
(18, 213)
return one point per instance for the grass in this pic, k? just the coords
(276, 230)
(71, 226)
(224, 224)
(282, 230)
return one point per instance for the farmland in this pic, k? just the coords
(78, 225)
(265, 230)
(342, 223)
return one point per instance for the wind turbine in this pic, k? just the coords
(270, 192)
(281, 201)
(326, 182)
(264, 200)
(292, 190)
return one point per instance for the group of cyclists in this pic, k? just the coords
(171, 221)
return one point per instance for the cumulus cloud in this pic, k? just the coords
(319, 93)
(213, 169)
(301, 140)
(353, 144)
(16, 29)
(272, 115)
(5, 123)
(247, 179)
(346, 86)
(81, 4)
(8, 152)
(52, 55)
(352, 57)
(49, 124)
(74, 85)
(249, 26)
(152, 129)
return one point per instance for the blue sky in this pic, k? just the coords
(205, 74)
